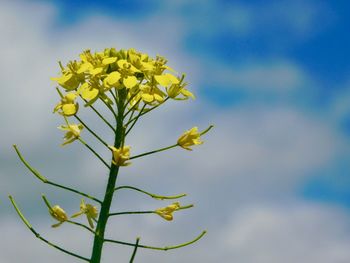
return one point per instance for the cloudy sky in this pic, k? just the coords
(270, 183)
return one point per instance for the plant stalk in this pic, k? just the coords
(107, 201)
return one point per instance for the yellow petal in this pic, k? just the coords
(96, 71)
(147, 65)
(147, 97)
(122, 62)
(166, 79)
(130, 82)
(77, 214)
(90, 93)
(63, 128)
(108, 61)
(67, 81)
(187, 93)
(69, 109)
(158, 97)
(84, 67)
(70, 97)
(112, 79)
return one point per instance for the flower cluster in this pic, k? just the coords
(130, 84)
(140, 78)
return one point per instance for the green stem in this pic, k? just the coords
(75, 191)
(91, 131)
(107, 201)
(114, 97)
(158, 248)
(100, 115)
(135, 250)
(143, 113)
(110, 108)
(131, 115)
(94, 152)
(81, 225)
(161, 197)
(26, 222)
(206, 130)
(46, 181)
(135, 120)
(145, 212)
(155, 151)
(132, 108)
(132, 213)
(131, 97)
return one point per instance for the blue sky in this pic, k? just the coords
(272, 76)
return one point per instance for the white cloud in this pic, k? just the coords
(293, 232)
(340, 107)
(262, 150)
(288, 233)
(278, 77)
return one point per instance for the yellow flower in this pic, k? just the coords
(166, 79)
(189, 138)
(140, 61)
(112, 80)
(127, 72)
(72, 132)
(151, 94)
(92, 63)
(121, 155)
(142, 78)
(89, 92)
(59, 214)
(67, 106)
(167, 212)
(68, 81)
(179, 88)
(89, 210)
(72, 75)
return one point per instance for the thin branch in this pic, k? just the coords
(132, 108)
(131, 213)
(26, 222)
(145, 212)
(135, 250)
(110, 108)
(131, 97)
(131, 115)
(91, 131)
(158, 248)
(206, 130)
(46, 181)
(100, 115)
(161, 197)
(114, 96)
(81, 225)
(155, 151)
(94, 152)
(150, 109)
(135, 120)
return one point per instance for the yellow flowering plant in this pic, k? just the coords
(129, 84)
